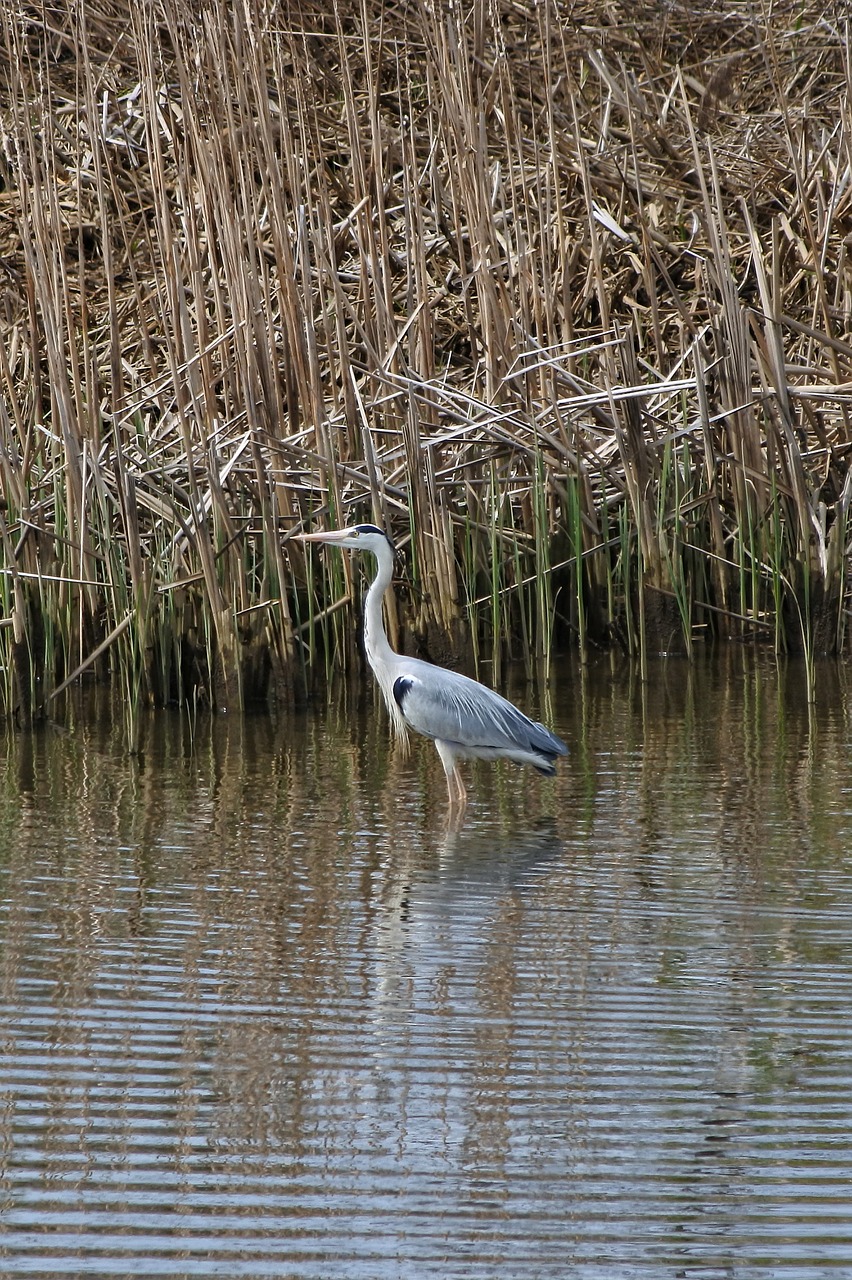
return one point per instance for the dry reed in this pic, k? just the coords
(558, 294)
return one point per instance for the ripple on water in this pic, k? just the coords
(326, 1039)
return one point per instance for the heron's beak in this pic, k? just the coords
(336, 537)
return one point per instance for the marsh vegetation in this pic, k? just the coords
(559, 294)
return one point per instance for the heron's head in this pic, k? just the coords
(360, 537)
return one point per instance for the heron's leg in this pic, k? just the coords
(461, 789)
(455, 785)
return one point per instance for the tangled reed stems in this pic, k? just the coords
(560, 294)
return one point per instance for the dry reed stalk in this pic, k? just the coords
(52, 314)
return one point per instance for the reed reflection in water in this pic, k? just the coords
(262, 1015)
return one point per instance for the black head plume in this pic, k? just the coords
(374, 528)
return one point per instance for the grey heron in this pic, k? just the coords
(463, 718)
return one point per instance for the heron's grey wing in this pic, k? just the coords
(448, 706)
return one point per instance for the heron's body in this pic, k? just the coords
(463, 718)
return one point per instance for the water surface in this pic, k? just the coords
(262, 1014)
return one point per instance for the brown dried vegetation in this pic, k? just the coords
(560, 293)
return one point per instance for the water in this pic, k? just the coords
(261, 1014)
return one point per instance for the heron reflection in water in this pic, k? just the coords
(464, 719)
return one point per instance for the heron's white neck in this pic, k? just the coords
(380, 655)
(376, 643)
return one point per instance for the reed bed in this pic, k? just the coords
(561, 295)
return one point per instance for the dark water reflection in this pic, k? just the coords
(263, 1016)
